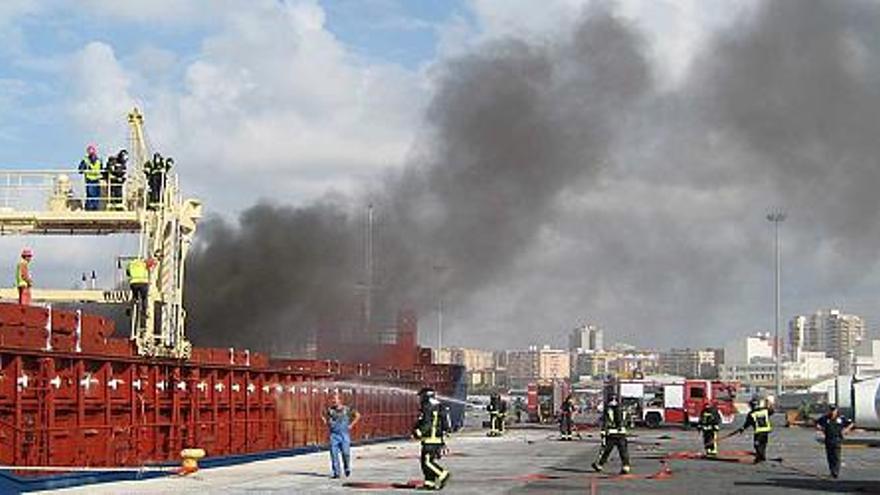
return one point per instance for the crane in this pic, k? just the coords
(43, 202)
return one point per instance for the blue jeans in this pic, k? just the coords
(340, 444)
(93, 195)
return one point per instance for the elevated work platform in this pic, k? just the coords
(70, 222)
(115, 195)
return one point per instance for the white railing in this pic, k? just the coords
(60, 190)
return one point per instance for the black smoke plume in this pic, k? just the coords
(556, 183)
(511, 126)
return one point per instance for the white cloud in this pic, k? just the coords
(678, 29)
(675, 30)
(101, 92)
(272, 105)
(174, 11)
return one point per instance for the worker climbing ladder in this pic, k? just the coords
(43, 202)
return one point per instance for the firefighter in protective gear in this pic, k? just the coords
(156, 170)
(566, 417)
(92, 170)
(116, 166)
(710, 423)
(497, 409)
(614, 423)
(759, 419)
(138, 271)
(431, 429)
(23, 279)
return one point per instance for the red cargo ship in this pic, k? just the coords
(76, 394)
(92, 401)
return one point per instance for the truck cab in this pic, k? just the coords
(681, 403)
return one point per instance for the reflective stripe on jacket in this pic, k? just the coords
(91, 169)
(709, 420)
(761, 418)
(612, 426)
(433, 423)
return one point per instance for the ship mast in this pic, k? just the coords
(368, 271)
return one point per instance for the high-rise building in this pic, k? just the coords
(747, 350)
(471, 359)
(830, 331)
(805, 370)
(843, 334)
(690, 363)
(589, 364)
(797, 329)
(526, 366)
(586, 338)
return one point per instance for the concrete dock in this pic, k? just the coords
(532, 460)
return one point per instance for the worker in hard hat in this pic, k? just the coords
(138, 271)
(116, 167)
(23, 280)
(759, 419)
(709, 424)
(431, 429)
(92, 170)
(340, 419)
(614, 428)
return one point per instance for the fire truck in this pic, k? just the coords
(681, 402)
(543, 400)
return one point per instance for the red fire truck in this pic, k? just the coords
(679, 402)
(544, 399)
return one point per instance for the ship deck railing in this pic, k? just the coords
(52, 201)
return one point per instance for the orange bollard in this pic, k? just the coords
(190, 460)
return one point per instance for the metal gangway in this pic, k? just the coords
(52, 202)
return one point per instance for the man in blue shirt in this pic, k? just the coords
(340, 419)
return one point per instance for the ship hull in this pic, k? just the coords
(71, 394)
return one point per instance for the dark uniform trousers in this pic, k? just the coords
(496, 419)
(565, 424)
(611, 441)
(832, 452)
(710, 441)
(434, 473)
(760, 443)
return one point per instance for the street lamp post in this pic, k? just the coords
(777, 217)
(439, 269)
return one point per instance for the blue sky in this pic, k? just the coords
(403, 32)
(290, 100)
(43, 37)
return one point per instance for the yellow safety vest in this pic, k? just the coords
(20, 281)
(93, 169)
(761, 417)
(138, 273)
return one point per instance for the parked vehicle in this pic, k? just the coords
(657, 404)
(544, 399)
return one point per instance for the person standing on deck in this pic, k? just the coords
(340, 419)
(92, 170)
(23, 280)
